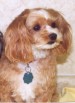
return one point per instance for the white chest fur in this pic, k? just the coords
(25, 90)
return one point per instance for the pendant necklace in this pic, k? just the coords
(28, 76)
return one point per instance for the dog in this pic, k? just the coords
(33, 41)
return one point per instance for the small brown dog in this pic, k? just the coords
(28, 66)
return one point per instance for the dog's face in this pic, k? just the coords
(44, 29)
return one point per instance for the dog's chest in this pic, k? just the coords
(26, 91)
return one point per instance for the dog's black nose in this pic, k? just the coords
(53, 36)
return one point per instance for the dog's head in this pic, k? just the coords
(44, 29)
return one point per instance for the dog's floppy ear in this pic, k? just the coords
(1, 43)
(65, 29)
(18, 40)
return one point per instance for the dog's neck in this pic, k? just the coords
(38, 54)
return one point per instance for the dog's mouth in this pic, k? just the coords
(49, 45)
(51, 42)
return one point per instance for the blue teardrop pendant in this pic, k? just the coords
(28, 77)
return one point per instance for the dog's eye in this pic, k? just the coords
(53, 25)
(37, 27)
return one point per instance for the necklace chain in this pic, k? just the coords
(28, 68)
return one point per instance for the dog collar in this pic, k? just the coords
(28, 76)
